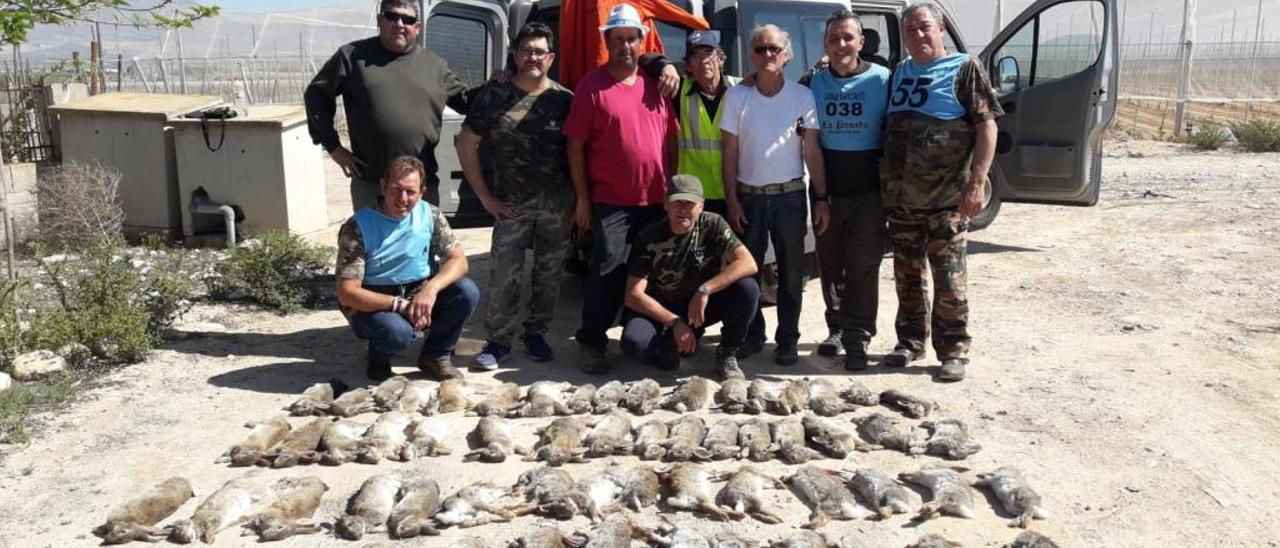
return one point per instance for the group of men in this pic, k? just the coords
(681, 183)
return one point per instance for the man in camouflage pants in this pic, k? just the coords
(531, 199)
(940, 137)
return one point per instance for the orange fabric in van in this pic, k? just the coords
(582, 44)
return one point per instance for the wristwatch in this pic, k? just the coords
(703, 289)
(673, 323)
(815, 197)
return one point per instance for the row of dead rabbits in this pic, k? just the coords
(408, 504)
(401, 435)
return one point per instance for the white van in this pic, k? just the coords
(1055, 69)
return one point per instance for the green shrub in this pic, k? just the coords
(1259, 135)
(1208, 138)
(273, 270)
(20, 401)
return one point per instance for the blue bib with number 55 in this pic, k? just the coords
(928, 88)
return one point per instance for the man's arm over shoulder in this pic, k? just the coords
(321, 99)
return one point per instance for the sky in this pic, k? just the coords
(977, 17)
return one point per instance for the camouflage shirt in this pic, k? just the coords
(528, 147)
(675, 265)
(926, 160)
(351, 252)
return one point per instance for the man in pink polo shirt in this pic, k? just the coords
(621, 132)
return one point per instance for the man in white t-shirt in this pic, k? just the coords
(769, 135)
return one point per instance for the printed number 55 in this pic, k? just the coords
(913, 89)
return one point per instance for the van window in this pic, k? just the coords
(1059, 42)
(463, 43)
(878, 25)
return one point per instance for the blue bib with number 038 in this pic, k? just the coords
(850, 110)
(928, 88)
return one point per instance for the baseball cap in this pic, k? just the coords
(703, 38)
(687, 188)
(624, 15)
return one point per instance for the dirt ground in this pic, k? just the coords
(1125, 356)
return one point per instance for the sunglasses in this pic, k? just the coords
(763, 50)
(392, 17)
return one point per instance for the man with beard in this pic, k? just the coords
(531, 197)
(688, 272)
(621, 133)
(393, 93)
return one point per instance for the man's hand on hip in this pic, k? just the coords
(500, 210)
(351, 166)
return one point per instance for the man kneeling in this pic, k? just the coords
(390, 284)
(686, 272)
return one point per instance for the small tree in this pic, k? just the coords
(17, 17)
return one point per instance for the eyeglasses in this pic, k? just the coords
(392, 17)
(767, 50)
(533, 53)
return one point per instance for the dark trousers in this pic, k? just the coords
(612, 230)
(715, 206)
(388, 332)
(849, 255)
(781, 219)
(735, 306)
(937, 241)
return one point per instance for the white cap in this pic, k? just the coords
(623, 15)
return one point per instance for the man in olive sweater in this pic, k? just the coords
(393, 94)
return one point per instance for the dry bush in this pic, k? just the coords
(80, 202)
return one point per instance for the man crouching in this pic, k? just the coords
(390, 283)
(686, 272)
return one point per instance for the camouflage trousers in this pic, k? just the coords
(543, 228)
(936, 240)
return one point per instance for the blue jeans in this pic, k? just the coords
(388, 332)
(782, 219)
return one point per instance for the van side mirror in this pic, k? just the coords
(1008, 77)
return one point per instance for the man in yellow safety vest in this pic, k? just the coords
(698, 107)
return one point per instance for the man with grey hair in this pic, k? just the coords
(393, 93)
(769, 135)
(940, 139)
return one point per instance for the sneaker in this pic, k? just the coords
(489, 356)
(855, 356)
(378, 366)
(749, 348)
(727, 364)
(538, 349)
(439, 368)
(786, 354)
(899, 357)
(831, 346)
(592, 360)
(952, 370)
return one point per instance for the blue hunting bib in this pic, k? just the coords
(928, 89)
(396, 251)
(851, 110)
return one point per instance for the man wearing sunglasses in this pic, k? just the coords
(769, 135)
(393, 94)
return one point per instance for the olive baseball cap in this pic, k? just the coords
(686, 188)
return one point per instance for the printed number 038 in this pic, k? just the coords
(852, 108)
(914, 90)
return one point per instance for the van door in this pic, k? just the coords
(470, 35)
(1055, 70)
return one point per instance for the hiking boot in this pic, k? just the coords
(727, 364)
(489, 356)
(786, 354)
(439, 368)
(831, 346)
(899, 357)
(592, 360)
(855, 356)
(952, 370)
(749, 348)
(536, 346)
(378, 366)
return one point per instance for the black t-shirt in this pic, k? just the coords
(676, 265)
